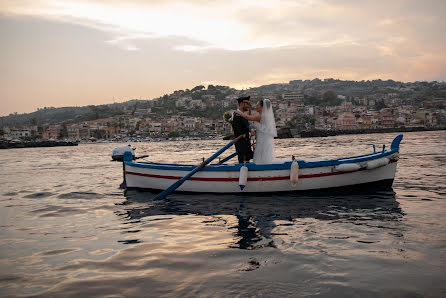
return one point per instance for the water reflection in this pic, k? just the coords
(257, 217)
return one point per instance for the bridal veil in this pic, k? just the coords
(266, 131)
(267, 122)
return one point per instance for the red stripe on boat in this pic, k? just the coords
(236, 178)
(249, 179)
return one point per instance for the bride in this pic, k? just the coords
(265, 131)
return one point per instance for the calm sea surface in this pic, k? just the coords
(68, 230)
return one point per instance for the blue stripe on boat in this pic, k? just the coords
(264, 167)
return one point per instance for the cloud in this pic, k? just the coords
(78, 52)
(248, 25)
(269, 39)
(230, 25)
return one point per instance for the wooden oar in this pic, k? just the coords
(228, 158)
(177, 184)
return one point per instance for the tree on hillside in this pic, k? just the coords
(380, 105)
(63, 132)
(197, 88)
(198, 94)
(330, 98)
(312, 99)
(173, 134)
(95, 111)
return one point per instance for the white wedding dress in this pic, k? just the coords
(265, 133)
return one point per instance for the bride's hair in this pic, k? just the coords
(268, 103)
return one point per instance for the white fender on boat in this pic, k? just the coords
(243, 178)
(373, 164)
(294, 173)
(348, 167)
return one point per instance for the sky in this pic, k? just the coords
(75, 53)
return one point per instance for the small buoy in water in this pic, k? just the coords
(294, 173)
(243, 178)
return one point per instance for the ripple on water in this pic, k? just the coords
(57, 252)
(39, 195)
(10, 194)
(56, 211)
(130, 241)
(79, 195)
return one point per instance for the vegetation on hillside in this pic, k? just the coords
(316, 92)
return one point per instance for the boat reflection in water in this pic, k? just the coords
(258, 216)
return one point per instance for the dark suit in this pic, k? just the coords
(240, 126)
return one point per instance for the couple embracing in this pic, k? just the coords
(265, 131)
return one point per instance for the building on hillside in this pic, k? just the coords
(310, 110)
(196, 103)
(155, 128)
(100, 128)
(346, 121)
(73, 131)
(84, 131)
(222, 127)
(359, 110)
(425, 117)
(280, 117)
(293, 96)
(81, 131)
(142, 112)
(207, 126)
(386, 119)
(190, 123)
(364, 122)
(283, 106)
(362, 101)
(167, 126)
(51, 132)
(283, 117)
(346, 106)
(17, 133)
(296, 106)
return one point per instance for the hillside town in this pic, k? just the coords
(299, 105)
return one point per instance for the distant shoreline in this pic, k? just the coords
(34, 144)
(283, 133)
(328, 133)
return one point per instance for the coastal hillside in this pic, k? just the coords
(315, 92)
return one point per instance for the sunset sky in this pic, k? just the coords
(75, 53)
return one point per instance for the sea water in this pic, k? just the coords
(68, 230)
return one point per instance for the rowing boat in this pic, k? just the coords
(375, 169)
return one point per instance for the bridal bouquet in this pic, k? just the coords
(227, 116)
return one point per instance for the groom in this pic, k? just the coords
(240, 126)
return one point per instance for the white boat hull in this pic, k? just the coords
(258, 182)
(377, 168)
